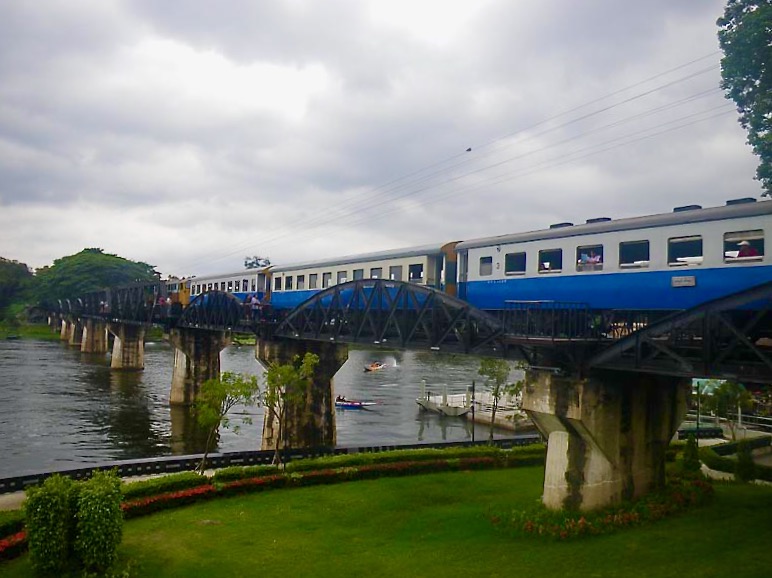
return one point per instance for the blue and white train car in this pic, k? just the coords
(241, 284)
(429, 265)
(668, 261)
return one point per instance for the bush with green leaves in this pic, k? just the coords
(100, 521)
(50, 520)
(745, 468)
(691, 458)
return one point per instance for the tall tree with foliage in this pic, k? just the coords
(89, 270)
(14, 278)
(215, 400)
(745, 36)
(285, 387)
(726, 399)
(496, 374)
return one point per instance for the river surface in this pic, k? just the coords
(61, 409)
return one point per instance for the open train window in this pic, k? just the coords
(359, 274)
(589, 258)
(415, 273)
(395, 272)
(684, 251)
(277, 284)
(313, 280)
(486, 266)
(288, 283)
(633, 254)
(222, 285)
(376, 273)
(301, 284)
(514, 264)
(551, 261)
(744, 246)
(253, 284)
(342, 277)
(230, 285)
(245, 285)
(326, 280)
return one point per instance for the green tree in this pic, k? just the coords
(496, 374)
(691, 458)
(745, 468)
(726, 399)
(217, 397)
(745, 36)
(14, 279)
(89, 270)
(285, 387)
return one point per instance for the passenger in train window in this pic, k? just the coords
(746, 250)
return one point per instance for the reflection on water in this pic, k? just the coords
(60, 408)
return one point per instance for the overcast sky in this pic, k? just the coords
(189, 133)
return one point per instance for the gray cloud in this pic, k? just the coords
(189, 134)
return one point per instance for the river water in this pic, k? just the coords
(60, 408)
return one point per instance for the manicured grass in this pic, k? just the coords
(435, 525)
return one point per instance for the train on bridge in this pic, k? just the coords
(670, 261)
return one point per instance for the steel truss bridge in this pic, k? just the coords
(730, 337)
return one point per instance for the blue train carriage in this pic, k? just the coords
(242, 284)
(669, 261)
(430, 265)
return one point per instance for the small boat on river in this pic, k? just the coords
(374, 366)
(344, 403)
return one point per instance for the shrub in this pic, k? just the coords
(745, 469)
(163, 484)
(240, 472)
(691, 459)
(11, 522)
(100, 521)
(50, 520)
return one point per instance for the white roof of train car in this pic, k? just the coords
(363, 258)
(696, 215)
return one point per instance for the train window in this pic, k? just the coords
(589, 258)
(301, 282)
(230, 285)
(245, 285)
(288, 283)
(395, 272)
(633, 254)
(415, 273)
(359, 274)
(313, 280)
(341, 277)
(326, 280)
(209, 288)
(684, 251)
(253, 285)
(222, 285)
(486, 266)
(277, 284)
(376, 273)
(514, 264)
(744, 246)
(550, 260)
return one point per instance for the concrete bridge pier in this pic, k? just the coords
(75, 332)
(94, 337)
(64, 332)
(196, 359)
(128, 347)
(607, 434)
(312, 422)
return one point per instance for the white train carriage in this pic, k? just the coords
(241, 284)
(668, 261)
(430, 265)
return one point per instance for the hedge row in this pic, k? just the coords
(710, 458)
(161, 484)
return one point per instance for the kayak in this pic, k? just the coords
(351, 404)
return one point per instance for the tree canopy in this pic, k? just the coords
(14, 278)
(89, 270)
(745, 36)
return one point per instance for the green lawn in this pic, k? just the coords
(435, 525)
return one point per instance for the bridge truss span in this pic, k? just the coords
(393, 313)
(728, 338)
